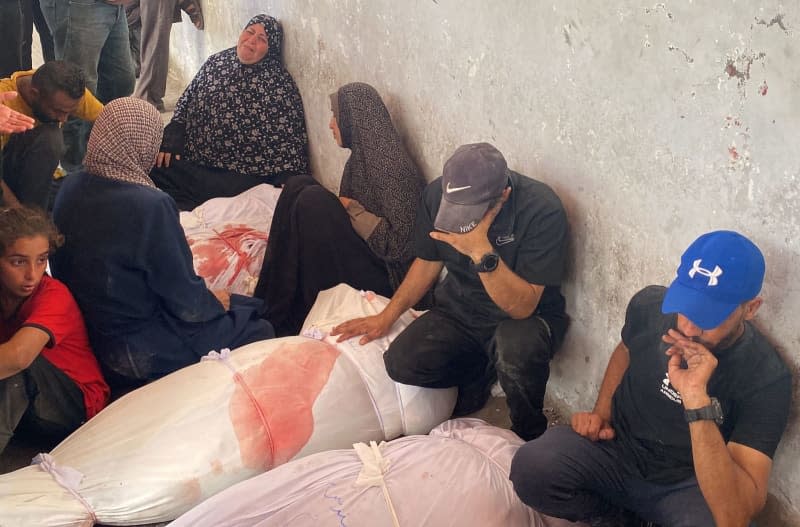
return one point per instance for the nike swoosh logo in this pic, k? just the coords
(455, 189)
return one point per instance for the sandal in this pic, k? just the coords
(192, 9)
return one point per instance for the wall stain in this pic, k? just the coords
(776, 20)
(672, 47)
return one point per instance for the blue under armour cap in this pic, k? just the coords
(718, 272)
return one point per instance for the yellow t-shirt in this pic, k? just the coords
(88, 108)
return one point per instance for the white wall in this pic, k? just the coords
(655, 122)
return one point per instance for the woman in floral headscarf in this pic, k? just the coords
(239, 123)
(363, 237)
(127, 261)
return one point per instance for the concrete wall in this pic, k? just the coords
(655, 122)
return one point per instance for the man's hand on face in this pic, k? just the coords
(474, 243)
(690, 367)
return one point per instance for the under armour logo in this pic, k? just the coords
(712, 275)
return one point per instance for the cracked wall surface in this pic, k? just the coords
(655, 122)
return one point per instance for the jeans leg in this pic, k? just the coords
(29, 160)
(522, 351)
(56, 15)
(565, 475)
(115, 73)
(96, 39)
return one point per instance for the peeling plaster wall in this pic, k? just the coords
(655, 122)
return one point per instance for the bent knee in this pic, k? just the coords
(531, 473)
(520, 342)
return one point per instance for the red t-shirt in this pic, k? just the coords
(52, 309)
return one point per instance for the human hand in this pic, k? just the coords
(12, 121)
(373, 327)
(690, 381)
(345, 201)
(163, 159)
(591, 426)
(223, 296)
(474, 243)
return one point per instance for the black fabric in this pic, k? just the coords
(380, 175)
(312, 247)
(29, 160)
(246, 119)
(529, 234)
(751, 382)
(40, 400)
(191, 185)
(439, 351)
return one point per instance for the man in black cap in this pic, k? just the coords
(499, 311)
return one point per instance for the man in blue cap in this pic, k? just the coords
(691, 409)
(499, 311)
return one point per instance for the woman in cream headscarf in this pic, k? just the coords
(128, 264)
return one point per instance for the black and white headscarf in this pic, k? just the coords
(379, 173)
(243, 118)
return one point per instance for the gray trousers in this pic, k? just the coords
(40, 400)
(156, 18)
(565, 475)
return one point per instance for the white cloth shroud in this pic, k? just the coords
(456, 476)
(160, 450)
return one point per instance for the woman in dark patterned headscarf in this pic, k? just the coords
(239, 123)
(363, 238)
(128, 264)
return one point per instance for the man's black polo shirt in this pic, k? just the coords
(529, 234)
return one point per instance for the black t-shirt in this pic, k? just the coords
(751, 381)
(529, 234)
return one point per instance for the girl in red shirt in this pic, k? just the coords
(50, 381)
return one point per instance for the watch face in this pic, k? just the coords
(489, 262)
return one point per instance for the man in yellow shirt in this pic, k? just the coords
(50, 94)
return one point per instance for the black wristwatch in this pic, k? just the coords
(487, 264)
(712, 412)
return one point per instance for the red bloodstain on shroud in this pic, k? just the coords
(226, 247)
(281, 391)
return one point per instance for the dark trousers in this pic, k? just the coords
(42, 400)
(438, 351)
(191, 185)
(18, 18)
(568, 476)
(312, 247)
(29, 160)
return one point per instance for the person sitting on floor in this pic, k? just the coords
(238, 124)
(499, 311)
(50, 381)
(691, 409)
(128, 263)
(363, 236)
(51, 94)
